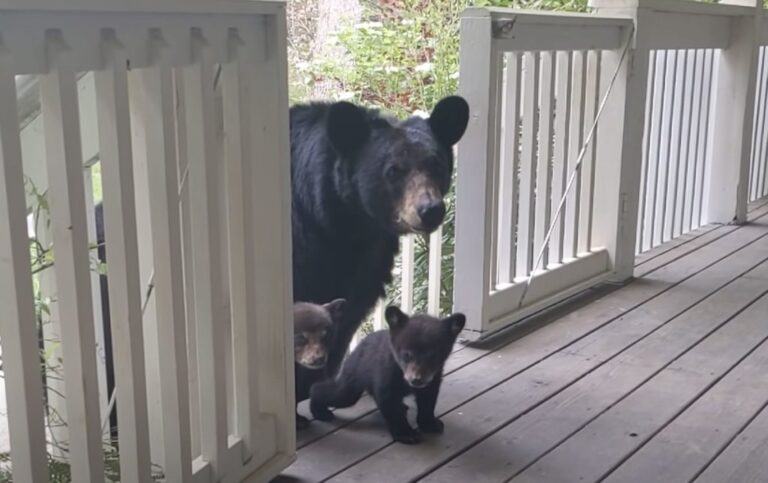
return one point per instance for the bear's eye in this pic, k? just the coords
(406, 356)
(394, 172)
(299, 339)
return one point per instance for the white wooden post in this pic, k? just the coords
(619, 145)
(736, 79)
(475, 214)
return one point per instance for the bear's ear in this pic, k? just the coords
(336, 309)
(347, 128)
(449, 119)
(455, 323)
(395, 317)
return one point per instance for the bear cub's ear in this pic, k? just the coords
(336, 309)
(455, 323)
(395, 317)
(449, 119)
(347, 128)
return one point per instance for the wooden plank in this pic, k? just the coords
(18, 322)
(683, 166)
(342, 448)
(648, 115)
(58, 94)
(745, 458)
(665, 158)
(156, 110)
(586, 197)
(469, 354)
(654, 159)
(527, 206)
(704, 147)
(571, 213)
(544, 162)
(407, 262)
(435, 272)
(476, 214)
(561, 144)
(122, 264)
(509, 168)
(206, 254)
(536, 428)
(684, 447)
(693, 134)
(761, 144)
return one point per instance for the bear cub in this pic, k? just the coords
(390, 365)
(313, 331)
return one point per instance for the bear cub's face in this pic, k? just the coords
(421, 344)
(313, 327)
(399, 171)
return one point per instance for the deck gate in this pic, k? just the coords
(191, 110)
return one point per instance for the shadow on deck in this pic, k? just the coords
(662, 379)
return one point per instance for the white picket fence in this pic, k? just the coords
(183, 105)
(681, 143)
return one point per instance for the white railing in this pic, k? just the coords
(671, 151)
(190, 132)
(758, 170)
(676, 147)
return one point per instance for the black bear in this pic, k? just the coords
(360, 180)
(313, 327)
(391, 364)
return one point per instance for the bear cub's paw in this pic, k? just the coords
(322, 413)
(433, 425)
(407, 436)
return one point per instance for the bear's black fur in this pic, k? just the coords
(359, 181)
(313, 327)
(391, 364)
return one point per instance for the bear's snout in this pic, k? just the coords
(431, 213)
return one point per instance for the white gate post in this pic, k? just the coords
(733, 117)
(475, 214)
(620, 143)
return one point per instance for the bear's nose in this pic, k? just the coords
(431, 213)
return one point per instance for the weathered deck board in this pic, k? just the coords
(613, 343)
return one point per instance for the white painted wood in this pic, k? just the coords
(67, 201)
(576, 139)
(508, 177)
(476, 159)
(704, 138)
(654, 150)
(673, 156)
(647, 149)
(156, 114)
(18, 324)
(683, 170)
(528, 165)
(122, 262)
(378, 317)
(544, 158)
(733, 115)
(434, 288)
(586, 197)
(407, 262)
(239, 115)
(759, 175)
(271, 203)
(560, 161)
(763, 154)
(206, 252)
(667, 127)
(694, 102)
(620, 136)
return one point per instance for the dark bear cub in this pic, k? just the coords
(313, 331)
(391, 364)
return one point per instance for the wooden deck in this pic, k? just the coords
(663, 379)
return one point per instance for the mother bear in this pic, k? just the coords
(360, 180)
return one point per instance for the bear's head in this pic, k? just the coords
(313, 329)
(399, 171)
(421, 344)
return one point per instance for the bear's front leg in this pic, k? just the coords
(394, 412)
(426, 399)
